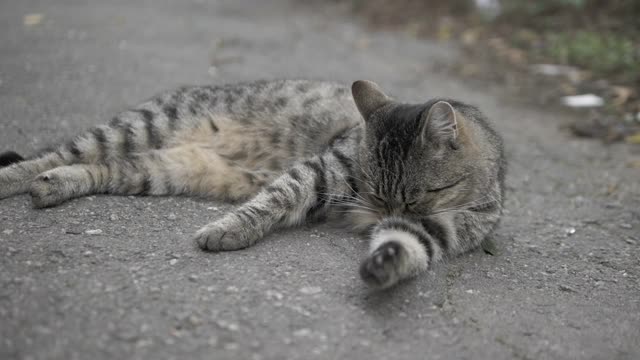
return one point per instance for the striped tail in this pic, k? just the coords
(9, 157)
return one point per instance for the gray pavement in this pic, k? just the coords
(565, 284)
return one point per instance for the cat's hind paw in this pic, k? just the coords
(47, 190)
(382, 268)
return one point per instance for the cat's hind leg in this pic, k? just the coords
(188, 169)
(16, 178)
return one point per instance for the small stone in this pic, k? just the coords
(223, 324)
(214, 208)
(114, 217)
(626, 226)
(88, 253)
(311, 290)
(8, 232)
(570, 231)
(173, 261)
(213, 341)
(302, 332)
(193, 277)
(172, 216)
(231, 346)
(566, 288)
(630, 241)
(93, 232)
(274, 295)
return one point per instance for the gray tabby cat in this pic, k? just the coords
(425, 180)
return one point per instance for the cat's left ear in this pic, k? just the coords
(368, 97)
(440, 124)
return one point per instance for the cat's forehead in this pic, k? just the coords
(399, 121)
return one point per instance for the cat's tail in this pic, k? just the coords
(9, 157)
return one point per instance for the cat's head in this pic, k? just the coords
(415, 159)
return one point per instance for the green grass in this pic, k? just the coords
(603, 54)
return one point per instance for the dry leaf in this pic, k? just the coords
(633, 139)
(470, 36)
(445, 31)
(621, 94)
(634, 164)
(32, 19)
(516, 56)
(469, 69)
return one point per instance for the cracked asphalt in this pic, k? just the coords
(117, 277)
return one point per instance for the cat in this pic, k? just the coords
(425, 181)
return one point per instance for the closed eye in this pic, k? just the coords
(378, 199)
(446, 186)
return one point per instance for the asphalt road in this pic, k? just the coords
(565, 284)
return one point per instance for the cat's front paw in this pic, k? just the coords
(226, 234)
(383, 267)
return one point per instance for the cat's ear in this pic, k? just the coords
(440, 124)
(368, 97)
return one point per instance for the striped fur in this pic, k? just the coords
(426, 180)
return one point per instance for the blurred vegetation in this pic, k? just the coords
(600, 36)
(588, 46)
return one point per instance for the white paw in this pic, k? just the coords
(382, 268)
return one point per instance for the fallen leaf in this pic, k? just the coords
(621, 95)
(445, 31)
(470, 36)
(634, 164)
(33, 19)
(633, 139)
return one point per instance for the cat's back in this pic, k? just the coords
(286, 101)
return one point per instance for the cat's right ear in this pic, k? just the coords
(368, 97)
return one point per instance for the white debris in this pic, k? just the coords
(274, 295)
(570, 72)
(172, 216)
(93, 232)
(173, 261)
(570, 231)
(582, 101)
(7, 232)
(311, 290)
(32, 19)
(304, 332)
